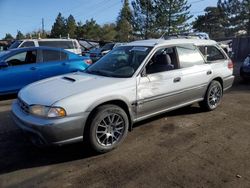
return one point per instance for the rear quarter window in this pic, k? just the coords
(214, 54)
(189, 56)
(52, 55)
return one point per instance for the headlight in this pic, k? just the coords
(46, 111)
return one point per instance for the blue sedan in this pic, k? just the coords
(22, 66)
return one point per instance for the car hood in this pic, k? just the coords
(49, 91)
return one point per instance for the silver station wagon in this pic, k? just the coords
(131, 83)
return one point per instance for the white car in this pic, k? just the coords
(131, 83)
(71, 45)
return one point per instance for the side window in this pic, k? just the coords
(27, 57)
(28, 44)
(52, 55)
(57, 44)
(163, 60)
(189, 56)
(214, 54)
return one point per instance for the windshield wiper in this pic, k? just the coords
(97, 72)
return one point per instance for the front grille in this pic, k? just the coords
(23, 105)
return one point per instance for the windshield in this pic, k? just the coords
(15, 44)
(122, 62)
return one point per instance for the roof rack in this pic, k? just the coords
(195, 35)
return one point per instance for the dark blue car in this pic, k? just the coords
(22, 66)
(245, 69)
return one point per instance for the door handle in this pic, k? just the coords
(177, 79)
(32, 68)
(209, 72)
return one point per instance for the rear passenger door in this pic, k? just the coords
(53, 63)
(195, 73)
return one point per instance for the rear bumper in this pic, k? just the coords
(49, 131)
(228, 82)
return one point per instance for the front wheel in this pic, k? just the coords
(108, 128)
(212, 97)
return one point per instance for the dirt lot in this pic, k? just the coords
(183, 148)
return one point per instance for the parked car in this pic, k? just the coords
(131, 83)
(245, 69)
(71, 45)
(96, 54)
(19, 67)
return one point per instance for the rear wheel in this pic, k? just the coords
(108, 128)
(212, 97)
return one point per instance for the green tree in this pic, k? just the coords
(79, 30)
(8, 36)
(19, 35)
(59, 27)
(124, 26)
(91, 30)
(71, 26)
(172, 15)
(211, 22)
(144, 19)
(246, 15)
(233, 12)
(108, 32)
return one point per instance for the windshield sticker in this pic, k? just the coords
(141, 49)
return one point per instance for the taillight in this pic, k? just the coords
(88, 61)
(230, 64)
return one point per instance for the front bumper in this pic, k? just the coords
(48, 131)
(228, 82)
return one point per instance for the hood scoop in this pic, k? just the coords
(68, 79)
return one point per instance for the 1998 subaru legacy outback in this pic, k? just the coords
(131, 83)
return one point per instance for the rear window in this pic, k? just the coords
(58, 44)
(52, 55)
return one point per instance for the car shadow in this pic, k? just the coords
(17, 152)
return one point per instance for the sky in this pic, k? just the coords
(26, 15)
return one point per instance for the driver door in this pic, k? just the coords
(21, 70)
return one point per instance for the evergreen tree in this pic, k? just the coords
(246, 15)
(144, 20)
(79, 30)
(71, 26)
(211, 23)
(232, 13)
(8, 36)
(124, 26)
(19, 35)
(91, 30)
(59, 27)
(108, 32)
(172, 15)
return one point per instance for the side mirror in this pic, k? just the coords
(3, 64)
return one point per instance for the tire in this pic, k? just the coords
(212, 97)
(108, 128)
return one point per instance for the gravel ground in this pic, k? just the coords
(183, 148)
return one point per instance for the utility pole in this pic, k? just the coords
(43, 26)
